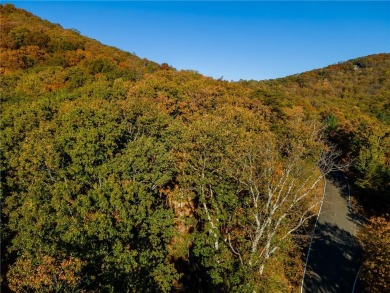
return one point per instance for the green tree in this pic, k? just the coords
(87, 185)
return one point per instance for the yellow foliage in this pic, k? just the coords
(375, 238)
(44, 273)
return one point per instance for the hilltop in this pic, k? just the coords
(121, 174)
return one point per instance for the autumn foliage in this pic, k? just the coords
(375, 238)
(122, 175)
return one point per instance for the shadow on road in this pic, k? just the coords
(339, 180)
(334, 261)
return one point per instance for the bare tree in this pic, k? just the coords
(275, 182)
(281, 188)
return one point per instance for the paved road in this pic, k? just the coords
(335, 254)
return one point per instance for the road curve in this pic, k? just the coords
(334, 257)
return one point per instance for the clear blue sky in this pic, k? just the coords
(236, 40)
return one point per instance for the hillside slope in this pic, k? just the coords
(120, 174)
(38, 57)
(353, 101)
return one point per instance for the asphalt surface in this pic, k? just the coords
(335, 255)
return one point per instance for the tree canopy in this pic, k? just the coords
(122, 175)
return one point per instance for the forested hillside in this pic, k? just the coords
(353, 101)
(122, 175)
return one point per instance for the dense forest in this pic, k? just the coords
(119, 174)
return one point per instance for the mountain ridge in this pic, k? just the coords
(46, 25)
(121, 174)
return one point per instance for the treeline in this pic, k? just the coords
(352, 100)
(119, 174)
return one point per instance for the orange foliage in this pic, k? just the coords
(45, 273)
(375, 237)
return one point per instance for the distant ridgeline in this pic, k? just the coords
(122, 175)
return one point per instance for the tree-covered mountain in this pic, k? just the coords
(122, 175)
(352, 100)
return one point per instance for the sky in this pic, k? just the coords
(230, 40)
